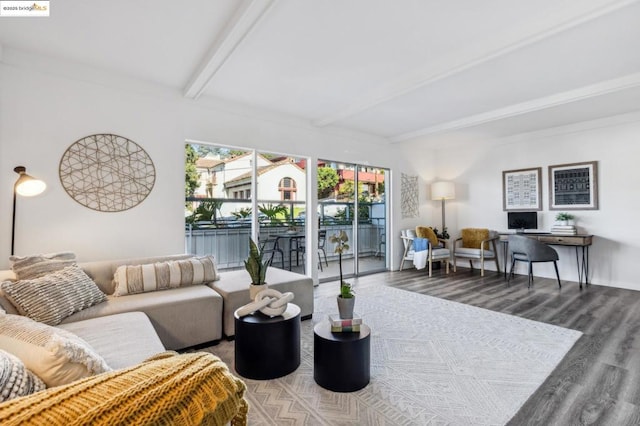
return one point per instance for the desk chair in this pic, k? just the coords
(524, 249)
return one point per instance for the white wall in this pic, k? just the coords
(42, 112)
(612, 142)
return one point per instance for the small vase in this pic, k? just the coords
(345, 307)
(255, 289)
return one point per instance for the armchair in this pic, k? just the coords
(476, 244)
(437, 253)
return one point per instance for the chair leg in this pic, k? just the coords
(555, 265)
(511, 273)
(471, 264)
(446, 262)
(482, 268)
(402, 263)
(430, 269)
(319, 261)
(454, 265)
(530, 274)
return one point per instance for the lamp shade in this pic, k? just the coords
(443, 191)
(26, 185)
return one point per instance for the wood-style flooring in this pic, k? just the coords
(597, 383)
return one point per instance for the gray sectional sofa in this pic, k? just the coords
(182, 317)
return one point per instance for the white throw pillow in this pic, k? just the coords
(133, 279)
(56, 356)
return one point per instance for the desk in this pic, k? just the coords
(580, 241)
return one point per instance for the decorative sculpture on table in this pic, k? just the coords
(270, 302)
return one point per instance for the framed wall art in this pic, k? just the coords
(573, 186)
(522, 190)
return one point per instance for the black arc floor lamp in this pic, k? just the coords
(27, 186)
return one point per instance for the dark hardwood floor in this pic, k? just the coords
(597, 383)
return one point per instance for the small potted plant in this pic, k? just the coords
(346, 298)
(257, 269)
(563, 218)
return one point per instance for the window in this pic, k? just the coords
(287, 188)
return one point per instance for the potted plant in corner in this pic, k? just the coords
(257, 269)
(346, 298)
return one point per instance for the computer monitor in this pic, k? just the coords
(522, 220)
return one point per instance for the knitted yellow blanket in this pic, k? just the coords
(168, 389)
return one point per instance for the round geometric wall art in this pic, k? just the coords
(108, 173)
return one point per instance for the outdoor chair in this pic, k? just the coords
(524, 249)
(476, 244)
(270, 247)
(300, 247)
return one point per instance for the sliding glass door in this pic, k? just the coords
(351, 198)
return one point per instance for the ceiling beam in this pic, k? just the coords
(586, 92)
(242, 23)
(498, 45)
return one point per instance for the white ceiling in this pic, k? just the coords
(400, 69)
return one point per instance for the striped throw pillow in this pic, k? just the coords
(53, 297)
(28, 267)
(134, 279)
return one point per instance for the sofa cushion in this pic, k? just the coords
(123, 340)
(182, 317)
(53, 297)
(171, 389)
(234, 288)
(56, 356)
(34, 266)
(15, 379)
(133, 279)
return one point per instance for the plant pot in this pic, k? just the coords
(255, 289)
(563, 222)
(345, 307)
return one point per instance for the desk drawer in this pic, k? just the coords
(565, 240)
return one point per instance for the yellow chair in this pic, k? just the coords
(476, 244)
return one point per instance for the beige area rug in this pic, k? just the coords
(433, 362)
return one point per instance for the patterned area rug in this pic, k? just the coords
(433, 362)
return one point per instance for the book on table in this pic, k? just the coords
(346, 329)
(336, 321)
(340, 325)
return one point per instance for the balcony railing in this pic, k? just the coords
(230, 245)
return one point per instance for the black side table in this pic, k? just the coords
(267, 347)
(341, 361)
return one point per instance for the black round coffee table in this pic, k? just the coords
(267, 347)
(341, 361)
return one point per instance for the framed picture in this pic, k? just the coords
(573, 186)
(521, 190)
